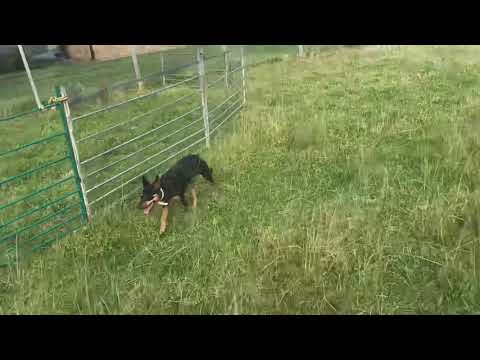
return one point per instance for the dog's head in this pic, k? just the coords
(150, 190)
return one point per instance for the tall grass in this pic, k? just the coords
(349, 185)
(150, 128)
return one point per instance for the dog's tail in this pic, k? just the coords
(205, 170)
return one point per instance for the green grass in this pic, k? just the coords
(79, 79)
(113, 174)
(41, 125)
(347, 186)
(84, 79)
(147, 121)
(48, 224)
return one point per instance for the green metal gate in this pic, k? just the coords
(40, 192)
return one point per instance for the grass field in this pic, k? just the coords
(347, 186)
(141, 133)
(84, 79)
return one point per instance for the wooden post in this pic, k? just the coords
(300, 51)
(138, 75)
(162, 64)
(30, 77)
(226, 60)
(244, 76)
(204, 94)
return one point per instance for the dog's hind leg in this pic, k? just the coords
(164, 219)
(194, 197)
(183, 200)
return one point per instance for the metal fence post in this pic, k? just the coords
(244, 76)
(300, 50)
(138, 75)
(204, 94)
(162, 64)
(64, 110)
(30, 77)
(227, 64)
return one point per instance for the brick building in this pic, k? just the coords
(109, 52)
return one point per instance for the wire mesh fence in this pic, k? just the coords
(168, 119)
(88, 149)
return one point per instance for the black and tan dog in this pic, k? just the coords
(173, 184)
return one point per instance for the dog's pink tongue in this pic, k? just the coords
(146, 211)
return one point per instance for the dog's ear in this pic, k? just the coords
(145, 181)
(156, 183)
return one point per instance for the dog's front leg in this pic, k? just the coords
(194, 196)
(164, 219)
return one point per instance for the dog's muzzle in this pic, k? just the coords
(148, 205)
